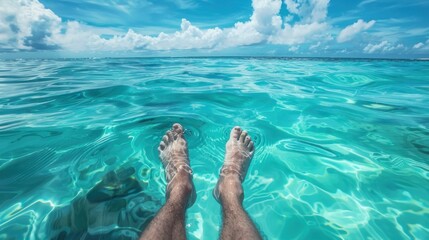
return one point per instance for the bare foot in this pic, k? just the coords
(173, 152)
(239, 153)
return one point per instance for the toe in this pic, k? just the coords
(178, 130)
(170, 136)
(247, 141)
(165, 140)
(161, 146)
(251, 146)
(243, 136)
(235, 132)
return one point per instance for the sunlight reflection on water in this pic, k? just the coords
(341, 146)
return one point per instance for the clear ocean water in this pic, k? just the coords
(342, 146)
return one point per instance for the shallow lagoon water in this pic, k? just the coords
(342, 146)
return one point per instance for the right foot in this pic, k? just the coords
(239, 153)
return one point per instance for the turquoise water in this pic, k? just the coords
(342, 146)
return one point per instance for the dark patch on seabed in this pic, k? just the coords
(115, 208)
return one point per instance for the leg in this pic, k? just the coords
(169, 223)
(229, 191)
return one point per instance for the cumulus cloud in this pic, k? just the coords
(370, 48)
(294, 49)
(28, 25)
(383, 46)
(187, 38)
(311, 25)
(394, 47)
(350, 31)
(266, 24)
(299, 33)
(422, 46)
(265, 18)
(308, 10)
(418, 45)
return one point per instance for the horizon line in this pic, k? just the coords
(226, 56)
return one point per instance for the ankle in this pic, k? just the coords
(180, 188)
(230, 189)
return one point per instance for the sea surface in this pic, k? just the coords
(342, 146)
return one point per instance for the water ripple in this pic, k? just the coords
(341, 145)
(305, 147)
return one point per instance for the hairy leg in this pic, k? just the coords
(169, 223)
(229, 191)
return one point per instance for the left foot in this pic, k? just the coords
(173, 152)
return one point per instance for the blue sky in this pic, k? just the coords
(308, 28)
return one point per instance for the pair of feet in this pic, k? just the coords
(173, 152)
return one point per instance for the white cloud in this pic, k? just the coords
(418, 45)
(393, 47)
(383, 46)
(370, 48)
(311, 25)
(308, 10)
(350, 31)
(319, 10)
(28, 25)
(241, 34)
(422, 46)
(76, 37)
(292, 6)
(299, 33)
(189, 37)
(314, 46)
(266, 24)
(265, 18)
(293, 49)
